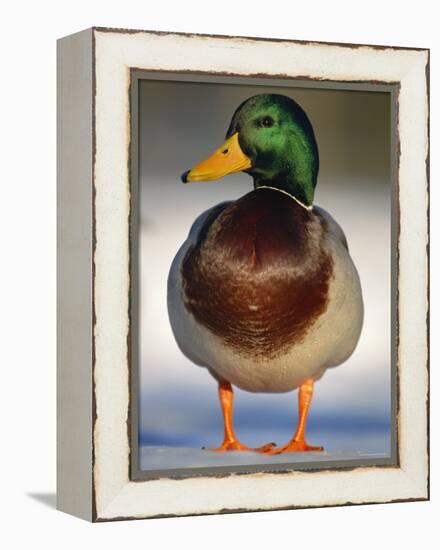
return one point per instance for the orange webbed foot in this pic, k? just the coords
(294, 446)
(235, 445)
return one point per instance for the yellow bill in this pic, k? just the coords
(227, 159)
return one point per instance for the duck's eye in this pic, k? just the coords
(266, 122)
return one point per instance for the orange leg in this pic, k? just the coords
(298, 442)
(230, 440)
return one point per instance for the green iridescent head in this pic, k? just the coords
(270, 137)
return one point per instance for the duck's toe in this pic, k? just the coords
(299, 446)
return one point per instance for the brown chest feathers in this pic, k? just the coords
(258, 277)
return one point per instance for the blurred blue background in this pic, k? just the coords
(180, 124)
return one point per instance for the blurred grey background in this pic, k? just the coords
(180, 124)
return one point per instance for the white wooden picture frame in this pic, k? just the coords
(95, 216)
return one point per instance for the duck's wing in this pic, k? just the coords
(333, 227)
(177, 313)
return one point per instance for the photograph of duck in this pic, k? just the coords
(264, 292)
(264, 275)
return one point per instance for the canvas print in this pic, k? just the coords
(265, 276)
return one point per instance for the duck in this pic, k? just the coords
(263, 293)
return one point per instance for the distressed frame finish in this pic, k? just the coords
(95, 208)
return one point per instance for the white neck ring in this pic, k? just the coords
(309, 208)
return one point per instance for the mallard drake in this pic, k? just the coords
(263, 292)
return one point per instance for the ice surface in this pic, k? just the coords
(155, 457)
(339, 444)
